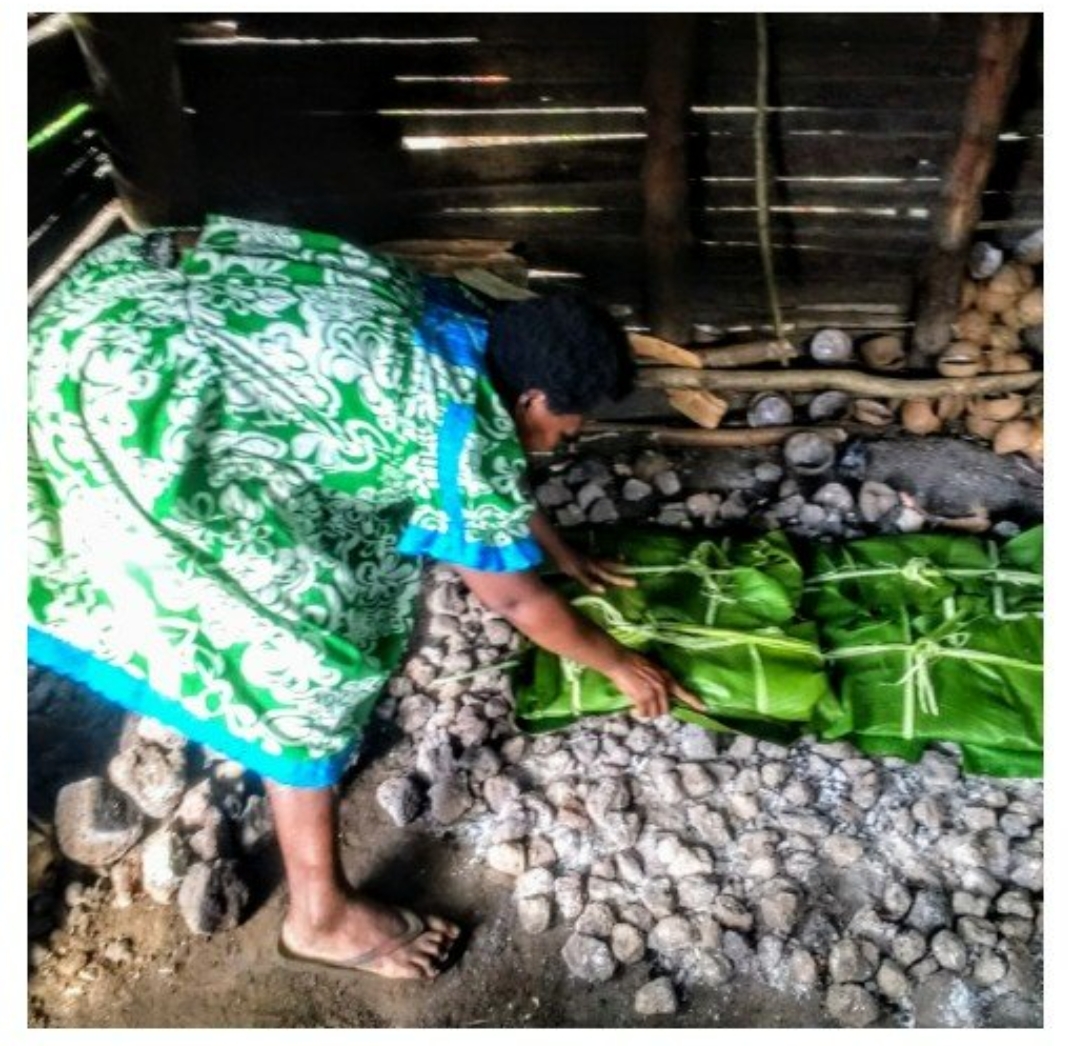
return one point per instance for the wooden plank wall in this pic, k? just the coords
(530, 127)
(69, 181)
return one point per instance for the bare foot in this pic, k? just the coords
(360, 926)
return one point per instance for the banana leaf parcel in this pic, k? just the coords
(918, 572)
(934, 638)
(720, 617)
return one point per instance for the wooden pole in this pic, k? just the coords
(767, 436)
(667, 235)
(1001, 43)
(853, 381)
(748, 354)
(131, 61)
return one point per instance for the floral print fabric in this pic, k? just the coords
(234, 464)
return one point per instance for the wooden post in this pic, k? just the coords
(1001, 42)
(131, 61)
(667, 216)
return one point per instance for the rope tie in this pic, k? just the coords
(922, 654)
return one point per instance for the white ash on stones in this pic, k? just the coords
(708, 859)
(161, 819)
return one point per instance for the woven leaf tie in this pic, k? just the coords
(921, 571)
(573, 672)
(919, 694)
(918, 571)
(717, 581)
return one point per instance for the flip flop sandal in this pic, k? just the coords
(361, 963)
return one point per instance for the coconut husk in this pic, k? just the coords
(920, 417)
(884, 353)
(991, 302)
(1020, 436)
(1004, 339)
(961, 359)
(1035, 448)
(976, 523)
(949, 408)
(972, 326)
(1016, 363)
(872, 412)
(1029, 308)
(1013, 278)
(1011, 317)
(998, 408)
(983, 428)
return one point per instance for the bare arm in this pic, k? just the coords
(549, 621)
(594, 574)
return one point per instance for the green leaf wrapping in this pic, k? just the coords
(711, 613)
(947, 650)
(924, 637)
(918, 572)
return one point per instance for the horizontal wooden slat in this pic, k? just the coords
(886, 34)
(586, 61)
(497, 28)
(289, 133)
(488, 123)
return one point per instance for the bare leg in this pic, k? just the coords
(323, 920)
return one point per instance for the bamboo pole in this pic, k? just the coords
(130, 58)
(1001, 43)
(761, 173)
(664, 175)
(854, 382)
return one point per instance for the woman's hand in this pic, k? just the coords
(549, 621)
(649, 686)
(593, 574)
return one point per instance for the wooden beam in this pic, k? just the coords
(855, 382)
(1001, 43)
(668, 77)
(132, 68)
(748, 354)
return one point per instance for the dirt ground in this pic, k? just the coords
(502, 978)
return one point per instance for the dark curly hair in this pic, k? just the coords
(563, 345)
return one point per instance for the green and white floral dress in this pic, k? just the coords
(234, 464)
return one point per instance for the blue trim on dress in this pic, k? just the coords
(452, 547)
(456, 424)
(117, 685)
(454, 337)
